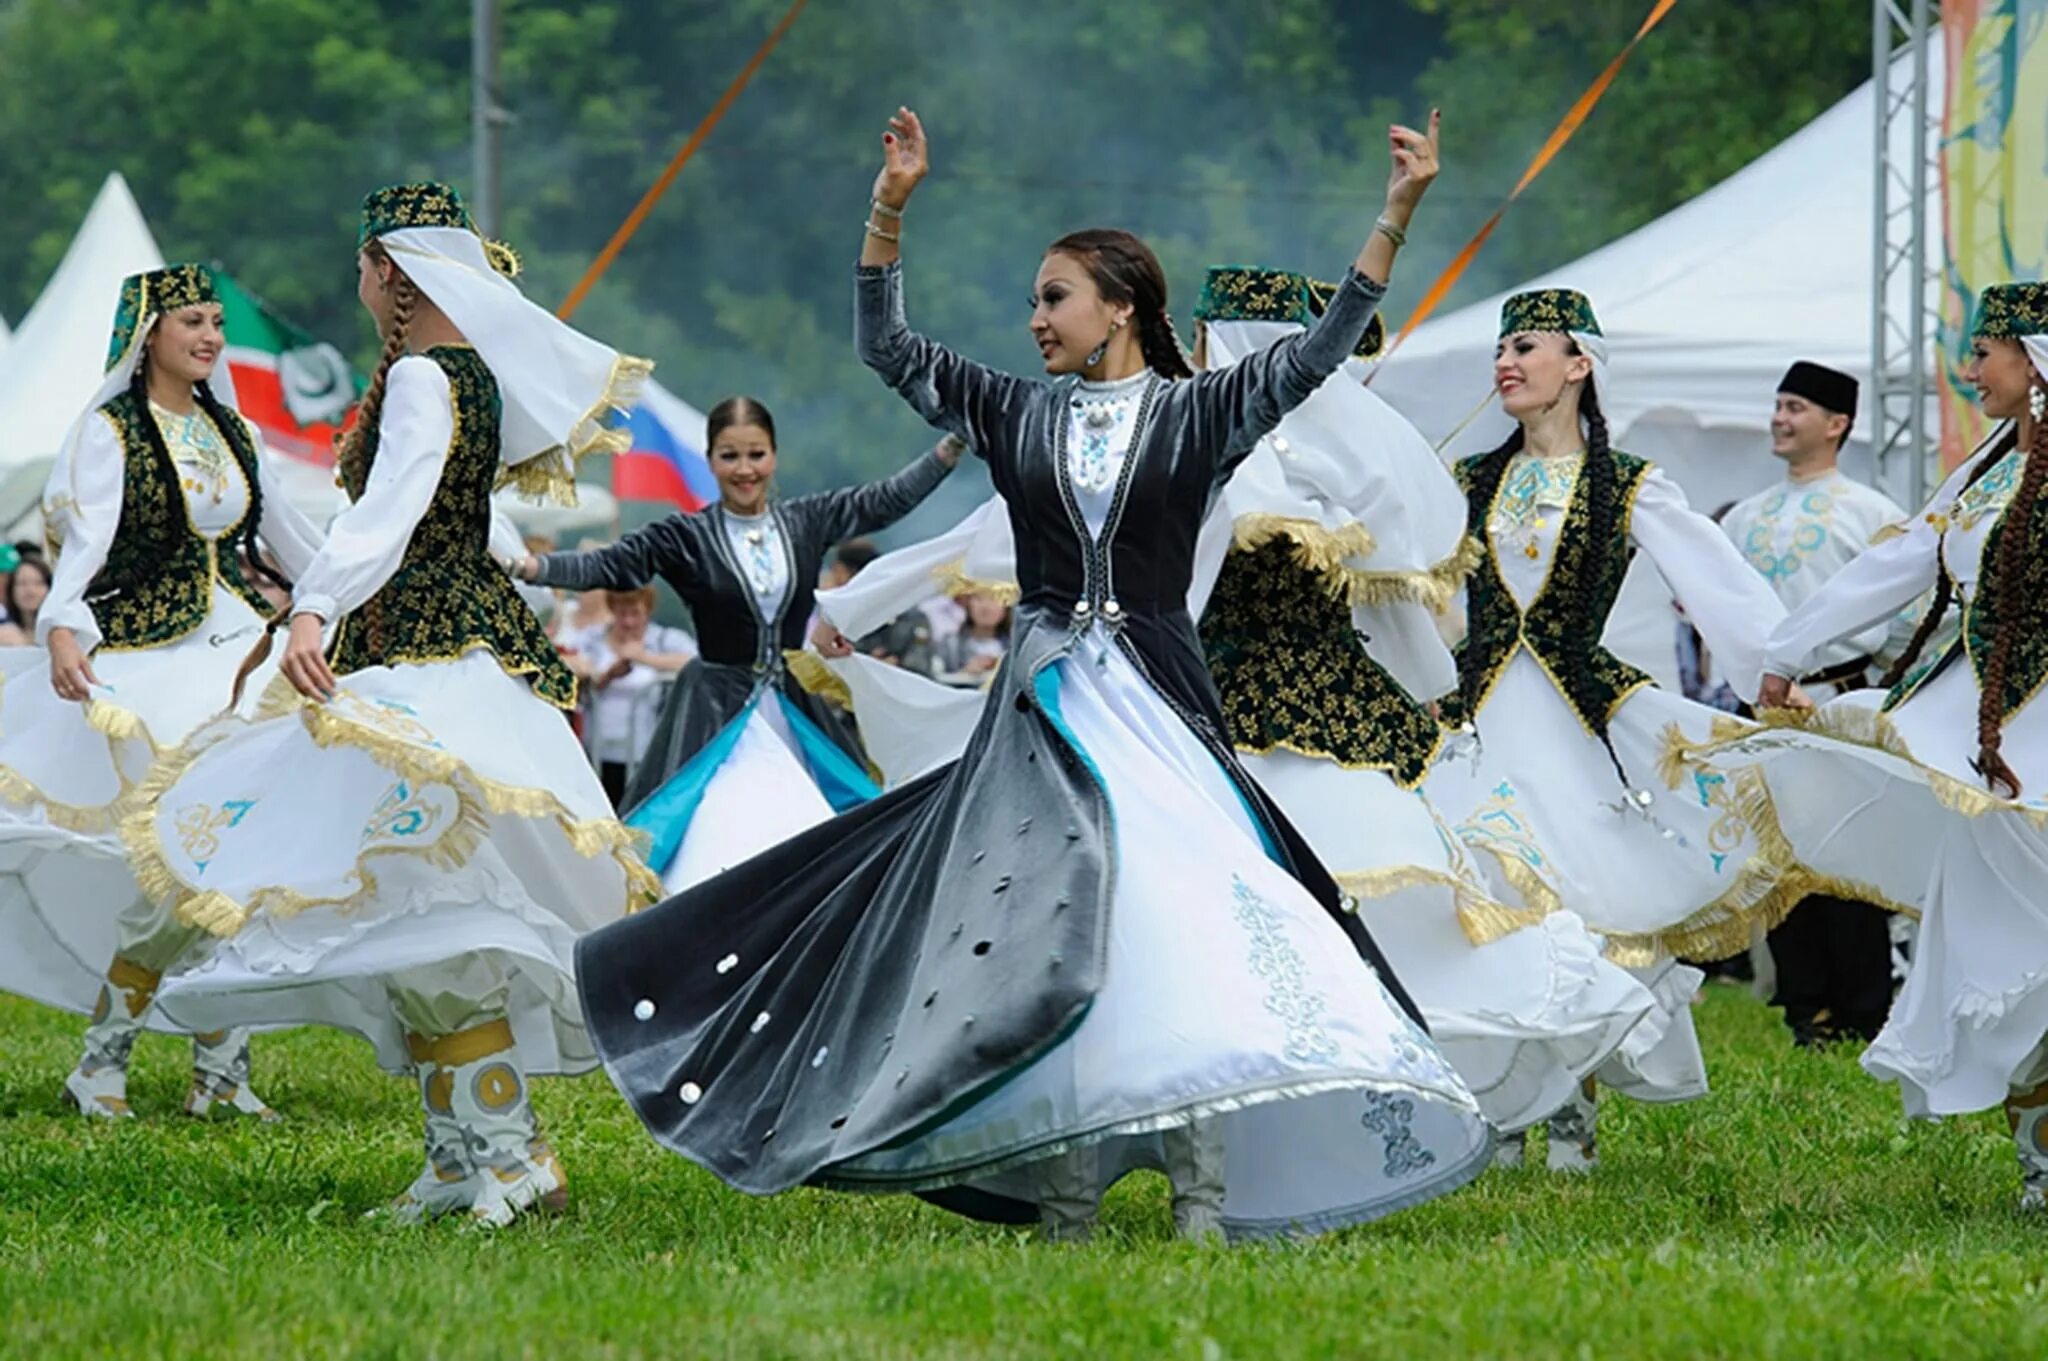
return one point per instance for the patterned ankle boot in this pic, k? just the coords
(1572, 1130)
(448, 1183)
(220, 1076)
(98, 1086)
(2027, 1114)
(516, 1168)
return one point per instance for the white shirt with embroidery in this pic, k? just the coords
(1798, 534)
(1101, 418)
(756, 542)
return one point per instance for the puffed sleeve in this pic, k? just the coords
(85, 511)
(1727, 601)
(368, 540)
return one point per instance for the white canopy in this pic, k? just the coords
(1703, 310)
(59, 352)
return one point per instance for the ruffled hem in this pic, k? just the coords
(551, 474)
(476, 796)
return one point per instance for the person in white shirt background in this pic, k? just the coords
(1833, 955)
(625, 666)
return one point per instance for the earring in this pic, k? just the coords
(2037, 400)
(1095, 356)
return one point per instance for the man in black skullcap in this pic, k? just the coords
(1833, 955)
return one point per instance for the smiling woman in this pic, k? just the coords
(156, 500)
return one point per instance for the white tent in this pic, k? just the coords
(1703, 310)
(60, 350)
(5, 335)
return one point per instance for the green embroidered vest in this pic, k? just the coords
(2026, 664)
(1561, 628)
(1293, 674)
(448, 597)
(157, 583)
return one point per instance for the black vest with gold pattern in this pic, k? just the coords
(448, 597)
(157, 583)
(1294, 675)
(1562, 627)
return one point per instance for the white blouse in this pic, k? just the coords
(368, 540)
(1100, 421)
(756, 542)
(1728, 603)
(216, 500)
(1891, 575)
(1799, 534)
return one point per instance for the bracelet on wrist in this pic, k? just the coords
(1385, 227)
(883, 210)
(880, 235)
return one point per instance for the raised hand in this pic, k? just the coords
(906, 158)
(1416, 161)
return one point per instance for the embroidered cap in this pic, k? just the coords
(1564, 310)
(151, 295)
(427, 203)
(2012, 311)
(1242, 293)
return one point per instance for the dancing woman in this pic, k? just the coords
(1932, 792)
(742, 757)
(1570, 735)
(1091, 942)
(408, 840)
(159, 488)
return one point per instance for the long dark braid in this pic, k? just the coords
(2014, 600)
(138, 388)
(352, 448)
(1125, 270)
(1160, 345)
(1944, 585)
(1599, 473)
(236, 434)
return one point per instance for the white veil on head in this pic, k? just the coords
(561, 390)
(1344, 477)
(145, 298)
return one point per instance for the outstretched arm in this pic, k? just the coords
(949, 392)
(1240, 404)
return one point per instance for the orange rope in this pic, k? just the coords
(1553, 144)
(640, 211)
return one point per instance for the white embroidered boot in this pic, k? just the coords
(2027, 1113)
(220, 1076)
(1194, 1164)
(1572, 1131)
(98, 1086)
(448, 1184)
(516, 1169)
(1070, 1194)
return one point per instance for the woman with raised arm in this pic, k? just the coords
(1091, 943)
(742, 758)
(1571, 737)
(408, 839)
(159, 488)
(1931, 791)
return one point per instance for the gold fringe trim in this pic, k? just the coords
(1487, 919)
(1327, 553)
(1483, 918)
(116, 725)
(953, 580)
(808, 669)
(1886, 533)
(551, 474)
(224, 916)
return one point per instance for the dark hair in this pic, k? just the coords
(352, 447)
(856, 554)
(1125, 270)
(737, 411)
(14, 611)
(1599, 473)
(2014, 599)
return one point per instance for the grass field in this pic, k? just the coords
(1790, 1214)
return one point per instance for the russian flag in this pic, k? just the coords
(666, 461)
